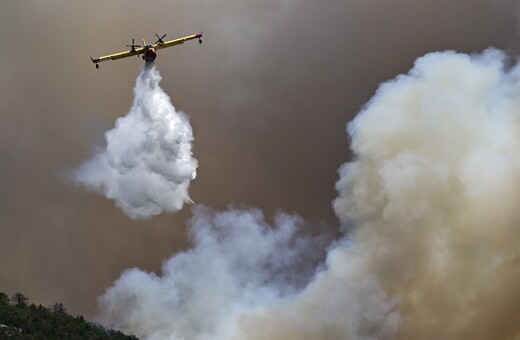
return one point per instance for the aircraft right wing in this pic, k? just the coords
(116, 56)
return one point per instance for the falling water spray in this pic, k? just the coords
(147, 164)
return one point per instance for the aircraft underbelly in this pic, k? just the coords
(149, 56)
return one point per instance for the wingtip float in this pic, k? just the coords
(147, 51)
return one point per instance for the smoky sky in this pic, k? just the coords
(268, 94)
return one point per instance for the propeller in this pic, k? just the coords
(133, 46)
(160, 41)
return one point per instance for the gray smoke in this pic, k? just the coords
(147, 164)
(243, 274)
(434, 192)
(432, 197)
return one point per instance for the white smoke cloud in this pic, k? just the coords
(432, 194)
(147, 165)
(242, 270)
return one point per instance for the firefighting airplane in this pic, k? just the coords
(148, 51)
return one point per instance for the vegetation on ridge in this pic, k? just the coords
(19, 320)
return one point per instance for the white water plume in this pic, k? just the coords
(433, 195)
(147, 164)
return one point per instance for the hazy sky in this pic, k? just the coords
(268, 93)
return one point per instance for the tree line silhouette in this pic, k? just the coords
(21, 320)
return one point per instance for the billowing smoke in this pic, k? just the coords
(434, 192)
(431, 199)
(242, 275)
(147, 165)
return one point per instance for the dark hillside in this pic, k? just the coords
(20, 320)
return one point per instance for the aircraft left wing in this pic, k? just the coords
(176, 42)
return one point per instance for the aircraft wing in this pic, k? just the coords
(176, 42)
(118, 55)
